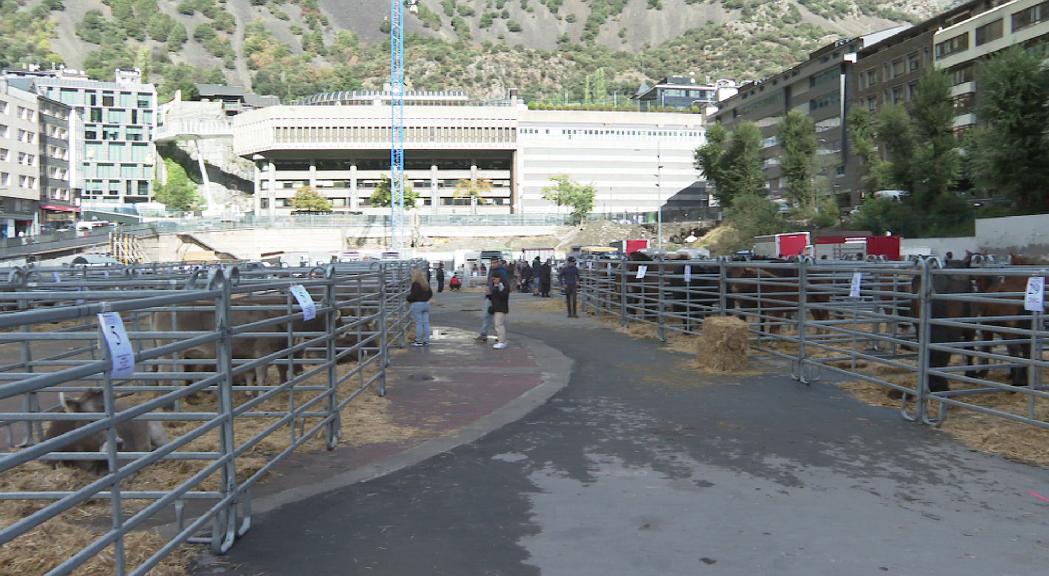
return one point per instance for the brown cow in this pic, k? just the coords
(132, 436)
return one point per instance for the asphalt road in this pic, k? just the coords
(642, 467)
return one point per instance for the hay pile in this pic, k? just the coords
(51, 543)
(724, 344)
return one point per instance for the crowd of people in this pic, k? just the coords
(501, 278)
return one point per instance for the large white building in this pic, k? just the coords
(19, 161)
(339, 144)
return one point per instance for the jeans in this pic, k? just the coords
(487, 322)
(570, 299)
(421, 315)
(500, 325)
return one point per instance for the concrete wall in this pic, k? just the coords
(939, 246)
(1027, 235)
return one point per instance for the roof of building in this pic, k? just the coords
(208, 90)
(671, 82)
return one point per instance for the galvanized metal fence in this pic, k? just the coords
(201, 417)
(932, 337)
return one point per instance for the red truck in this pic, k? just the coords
(628, 247)
(837, 247)
(781, 245)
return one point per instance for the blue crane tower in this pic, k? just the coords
(397, 224)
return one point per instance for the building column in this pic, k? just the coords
(435, 195)
(258, 190)
(313, 174)
(354, 200)
(272, 169)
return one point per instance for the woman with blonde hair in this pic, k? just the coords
(419, 296)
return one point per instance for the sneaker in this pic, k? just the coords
(418, 344)
(481, 339)
(501, 346)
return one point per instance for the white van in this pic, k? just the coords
(897, 195)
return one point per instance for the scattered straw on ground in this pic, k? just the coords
(48, 545)
(541, 304)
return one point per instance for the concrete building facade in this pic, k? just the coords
(19, 161)
(959, 47)
(61, 151)
(119, 118)
(634, 160)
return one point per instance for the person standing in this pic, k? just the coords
(537, 266)
(419, 298)
(501, 288)
(526, 275)
(440, 277)
(497, 271)
(545, 277)
(569, 277)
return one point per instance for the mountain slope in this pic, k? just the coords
(545, 48)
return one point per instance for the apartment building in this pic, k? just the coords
(635, 160)
(959, 47)
(119, 119)
(816, 87)
(19, 161)
(61, 150)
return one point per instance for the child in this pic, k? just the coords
(454, 284)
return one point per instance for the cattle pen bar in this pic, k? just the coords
(931, 336)
(232, 369)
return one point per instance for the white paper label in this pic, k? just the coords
(590, 265)
(1034, 301)
(121, 354)
(857, 281)
(641, 271)
(608, 271)
(105, 273)
(309, 308)
(688, 273)
(56, 277)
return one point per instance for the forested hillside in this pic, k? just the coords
(545, 48)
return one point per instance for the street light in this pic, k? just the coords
(659, 196)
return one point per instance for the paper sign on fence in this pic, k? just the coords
(121, 354)
(309, 308)
(1034, 301)
(608, 271)
(641, 271)
(56, 277)
(688, 273)
(857, 282)
(590, 265)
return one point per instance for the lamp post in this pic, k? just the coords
(659, 196)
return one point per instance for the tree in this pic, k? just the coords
(1010, 151)
(863, 133)
(179, 193)
(749, 215)
(896, 134)
(473, 189)
(309, 200)
(797, 138)
(381, 196)
(732, 161)
(565, 192)
(936, 164)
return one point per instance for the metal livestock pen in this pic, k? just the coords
(934, 337)
(203, 342)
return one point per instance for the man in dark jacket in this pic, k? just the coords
(569, 277)
(545, 278)
(440, 277)
(500, 298)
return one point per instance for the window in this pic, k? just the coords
(898, 67)
(144, 101)
(96, 115)
(963, 104)
(4, 153)
(3, 131)
(25, 136)
(962, 74)
(26, 159)
(1031, 16)
(954, 45)
(827, 75)
(107, 100)
(116, 152)
(4, 108)
(127, 100)
(914, 62)
(92, 99)
(69, 96)
(912, 90)
(872, 77)
(989, 32)
(115, 116)
(5, 179)
(91, 134)
(27, 182)
(897, 94)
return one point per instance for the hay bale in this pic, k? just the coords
(724, 344)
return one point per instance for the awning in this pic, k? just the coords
(59, 208)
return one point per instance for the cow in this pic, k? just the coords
(132, 436)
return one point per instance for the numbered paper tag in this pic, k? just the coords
(641, 271)
(688, 273)
(56, 277)
(590, 265)
(1035, 299)
(121, 354)
(854, 288)
(309, 308)
(608, 270)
